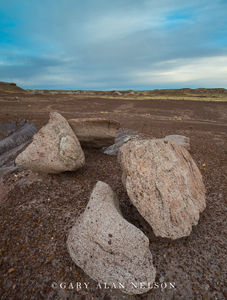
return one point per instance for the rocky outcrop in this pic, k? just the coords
(179, 140)
(164, 184)
(94, 132)
(54, 149)
(9, 87)
(107, 247)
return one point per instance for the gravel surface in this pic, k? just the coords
(37, 212)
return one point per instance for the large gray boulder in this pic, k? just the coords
(164, 184)
(54, 149)
(95, 132)
(108, 248)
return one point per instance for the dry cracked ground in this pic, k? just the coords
(37, 211)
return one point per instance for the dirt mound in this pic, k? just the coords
(9, 87)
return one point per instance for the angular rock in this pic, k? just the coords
(54, 149)
(122, 137)
(94, 132)
(180, 140)
(107, 247)
(164, 184)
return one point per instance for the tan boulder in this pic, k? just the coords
(95, 132)
(108, 248)
(54, 149)
(165, 185)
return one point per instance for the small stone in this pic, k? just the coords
(11, 270)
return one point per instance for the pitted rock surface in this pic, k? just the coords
(107, 247)
(54, 149)
(165, 185)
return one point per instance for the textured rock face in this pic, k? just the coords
(94, 132)
(164, 184)
(180, 140)
(107, 247)
(54, 149)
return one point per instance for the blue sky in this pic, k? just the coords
(120, 44)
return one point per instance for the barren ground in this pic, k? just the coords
(38, 210)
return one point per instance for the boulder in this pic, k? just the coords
(108, 248)
(95, 132)
(180, 140)
(164, 184)
(54, 149)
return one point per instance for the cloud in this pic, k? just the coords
(211, 71)
(103, 44)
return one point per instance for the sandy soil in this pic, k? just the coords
(38, 210)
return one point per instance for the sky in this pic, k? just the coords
(113, 44)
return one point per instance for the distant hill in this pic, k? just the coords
(201, 94)
(9, 87)
(191, 91)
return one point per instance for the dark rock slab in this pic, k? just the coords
(123, 135)
(20, 136)
(14, 137)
